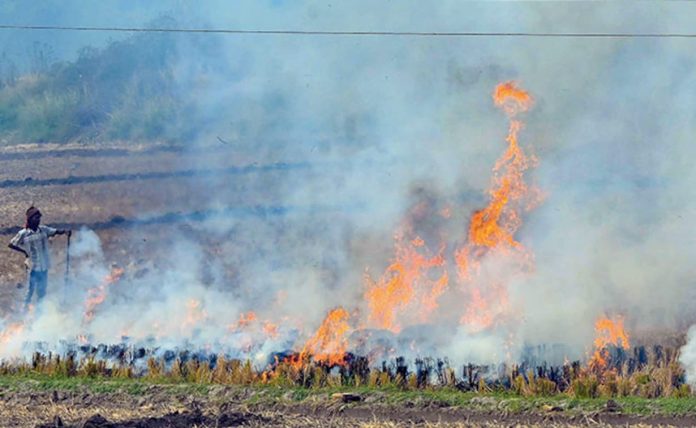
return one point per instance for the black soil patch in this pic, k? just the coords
(172, 420)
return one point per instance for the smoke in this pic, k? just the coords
(687, 356)
(384, 124)
(87, 244)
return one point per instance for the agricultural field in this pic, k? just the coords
(110, 189)
(349, 214)
(116, 387)
(39, 400)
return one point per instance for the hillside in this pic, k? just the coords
(125, 91)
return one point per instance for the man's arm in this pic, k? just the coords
(17, 243)
(50, 231)
(16, 248)
(64, 232)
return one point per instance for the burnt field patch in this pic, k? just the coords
(187, 173)
(644, 372)
(120, 222)
(171, 420)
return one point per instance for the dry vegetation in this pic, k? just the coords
(661, 376)
(32, 399)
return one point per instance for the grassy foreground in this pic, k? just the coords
(379, 396)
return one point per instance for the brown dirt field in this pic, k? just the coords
(107, 188)
(226, 408)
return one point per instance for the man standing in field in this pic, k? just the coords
(32, 241)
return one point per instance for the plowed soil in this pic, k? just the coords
(153, 193)
(228, 408)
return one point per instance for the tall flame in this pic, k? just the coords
(97, 295)
(405, 286)
(329, 343)
(406, 291)
(496, 224)
(608, 332)
(418, 274)
(492, 229)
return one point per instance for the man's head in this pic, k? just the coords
(33, 217)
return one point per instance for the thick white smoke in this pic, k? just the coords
(385, 123)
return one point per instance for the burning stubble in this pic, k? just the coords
(427, 276)
(425, 270)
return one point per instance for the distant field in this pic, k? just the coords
(109, 188)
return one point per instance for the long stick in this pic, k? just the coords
(67, 261)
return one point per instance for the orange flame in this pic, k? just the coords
(250, 321)
(11, 331)
(329, 343)
(461, 258)
(406, 293)
(494, 227)
(511, 99)
(270, 329)
(482, 310)
(497, 223)
(608, 332)
(97, 295)
(405, 284)
(194, 314)
(244, 320)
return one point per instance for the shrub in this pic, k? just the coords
(585, 386)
